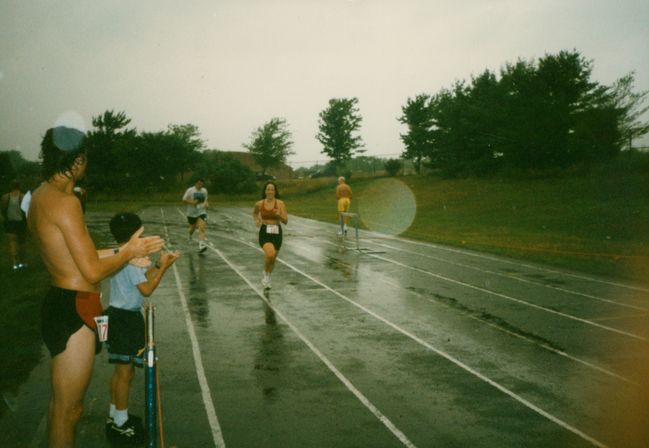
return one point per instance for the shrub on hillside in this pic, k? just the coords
(392, 166)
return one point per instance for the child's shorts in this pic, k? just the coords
(125, 336)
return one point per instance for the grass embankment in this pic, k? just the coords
(596, 224)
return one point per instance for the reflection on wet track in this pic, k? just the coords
(419, 345)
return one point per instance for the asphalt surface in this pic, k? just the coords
(387, 343)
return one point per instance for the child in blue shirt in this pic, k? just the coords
(128, 287)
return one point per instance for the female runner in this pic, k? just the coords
(268, 214)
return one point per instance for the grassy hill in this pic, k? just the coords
(596, 224)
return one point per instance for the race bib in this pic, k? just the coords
(272, 229)
(199, 197)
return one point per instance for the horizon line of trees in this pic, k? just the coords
(535, 116)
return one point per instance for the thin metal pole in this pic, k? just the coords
(150, 380)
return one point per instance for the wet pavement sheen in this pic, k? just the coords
(399, 343)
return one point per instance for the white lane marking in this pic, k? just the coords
(372, 234)
(520, 336)
(544, 346)
(518, 263)
(441, 353)
(513, 299)
(213, 420)
(364, 400)
(379, 235)
(512, 277)
(456, 361)
(497, 294)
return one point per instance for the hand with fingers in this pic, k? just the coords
(168, 258)
(145, 245)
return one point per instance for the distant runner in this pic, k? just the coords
(344, 200)
(15, 224)
(196, 199)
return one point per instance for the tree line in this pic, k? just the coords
(534, 116)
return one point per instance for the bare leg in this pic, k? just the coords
(71, 371)
(201, 229)
(192, 228)
(121, 384)
(269, 257)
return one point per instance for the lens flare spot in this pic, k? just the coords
(388, 206)
(71, 119)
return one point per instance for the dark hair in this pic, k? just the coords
(60, 149)
(263, 190)
(124, 225)
(199, 179)
(15, 185)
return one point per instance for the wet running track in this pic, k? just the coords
(399, 344)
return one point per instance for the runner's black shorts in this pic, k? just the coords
(274, 238)
(192, 219)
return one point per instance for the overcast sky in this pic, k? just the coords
(229, 66)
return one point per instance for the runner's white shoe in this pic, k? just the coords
(265, 282)
(202, 247)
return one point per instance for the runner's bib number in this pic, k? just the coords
(272, 229)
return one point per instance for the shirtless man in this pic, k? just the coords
(76, 267)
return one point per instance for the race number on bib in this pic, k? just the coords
(272, 229)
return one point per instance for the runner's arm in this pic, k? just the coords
(154, 273)
(255, 214)
(283, 214)
(77, 239)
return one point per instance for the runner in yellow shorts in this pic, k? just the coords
(344, 197)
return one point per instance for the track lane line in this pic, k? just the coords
(441, 353)
(348, 384)
(543, 346)
(512, 299)
(215, 427)
(513, 277)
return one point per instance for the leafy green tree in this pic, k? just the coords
(478, 123)
(187, 144)
(270, 144)
(226, 174)
(417, 114)
(110, 146)
(338, 124)
(631, 107)
(540, 116)
(393, 166)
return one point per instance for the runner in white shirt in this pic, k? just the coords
(196, 199)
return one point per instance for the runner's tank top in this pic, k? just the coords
(268, 214)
